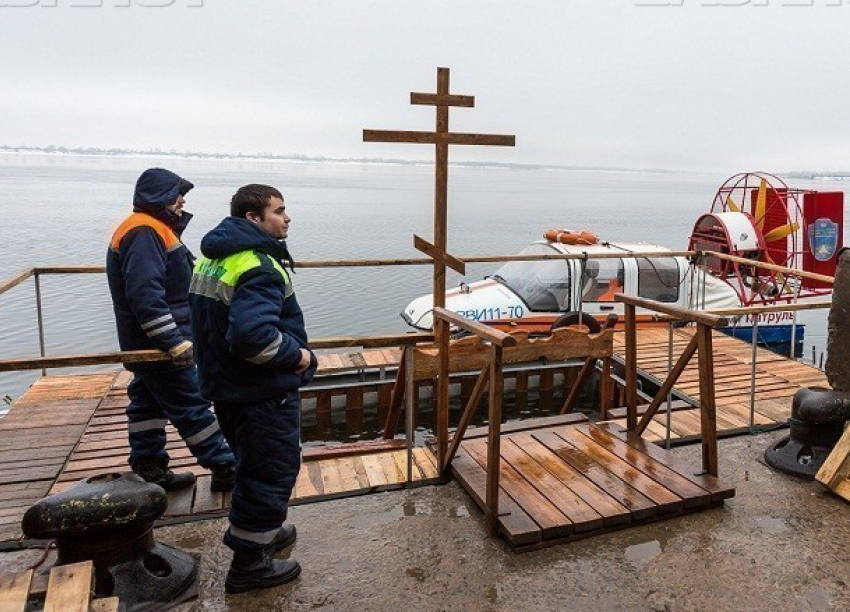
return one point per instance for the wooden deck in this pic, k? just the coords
(572, 481)
(67, 428)
(777, 379)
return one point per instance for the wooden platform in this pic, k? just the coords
(70, 427)
(562, 483)
(67, 428)
(777, 380)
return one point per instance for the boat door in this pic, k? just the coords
(601, 280)
(654, 278)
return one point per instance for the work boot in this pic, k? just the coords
(156, 471)
(284, 539)
(255, 569)
(223, 478)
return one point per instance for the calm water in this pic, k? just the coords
(62, 211)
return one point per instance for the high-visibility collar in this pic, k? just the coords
(138, 219)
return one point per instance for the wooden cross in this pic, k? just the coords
(442, 138)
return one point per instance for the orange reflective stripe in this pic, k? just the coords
(169, 238)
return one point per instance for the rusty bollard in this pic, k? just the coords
(109, 520)
(817, 414)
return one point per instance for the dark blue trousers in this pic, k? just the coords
(157, 397)
(266, 439)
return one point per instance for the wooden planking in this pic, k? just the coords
(569, 481)
(552, 522)
(665, 500)
(514, 523)
(14, 591)
(835, 471)
(69, 588)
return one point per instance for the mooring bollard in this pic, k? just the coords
(817, 414)
(109, 520)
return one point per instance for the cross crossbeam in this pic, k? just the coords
(407, 136)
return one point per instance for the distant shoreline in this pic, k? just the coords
(296, 158)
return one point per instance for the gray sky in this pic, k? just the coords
(720, 85)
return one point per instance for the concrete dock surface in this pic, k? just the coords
(781, 544)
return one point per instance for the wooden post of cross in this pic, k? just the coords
(441, 138)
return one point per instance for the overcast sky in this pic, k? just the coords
(708, 85)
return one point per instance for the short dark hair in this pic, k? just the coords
(252, 198)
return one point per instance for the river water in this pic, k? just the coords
(61, 210)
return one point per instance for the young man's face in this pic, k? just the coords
(275, 222)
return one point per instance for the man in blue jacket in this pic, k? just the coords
(252, 352)
(149, 269)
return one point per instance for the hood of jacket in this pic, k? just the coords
(158, 188)
(235, 234)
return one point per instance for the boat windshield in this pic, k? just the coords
(543, 285)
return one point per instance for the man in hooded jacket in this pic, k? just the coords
(252, 357)
(149, 269)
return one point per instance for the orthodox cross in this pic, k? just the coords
(442, 138)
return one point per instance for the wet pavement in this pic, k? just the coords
(780, 545)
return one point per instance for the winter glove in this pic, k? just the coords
(183, 354)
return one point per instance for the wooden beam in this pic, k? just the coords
(426, 99)
(667, 386)
(73, 361)
(466, 417)
(494, 441)
(16, 280)
(444, 138)
(761, 265)
(420, 244)
(479, 329)
(631, 367)
(391, 424)
(675, 311)
(371, 341)
(707, 407)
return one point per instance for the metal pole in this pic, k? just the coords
(583, 264)
(753, 374)
(793, 353)
(40, 319)
(669, 393)
(410, 406)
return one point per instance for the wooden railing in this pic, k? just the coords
(700, 344)
(492, 371)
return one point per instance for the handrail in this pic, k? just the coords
(701, 345)
(686, 314)
(16, 280)
(362, 263)
(70, 361)
(769, 266)
(486, 332)
(757, 310)
(498, 341)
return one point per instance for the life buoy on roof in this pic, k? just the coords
(567, 236)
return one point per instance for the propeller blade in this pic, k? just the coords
(761, 202)
(730, 204)
(781, 232)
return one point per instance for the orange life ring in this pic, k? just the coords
(566, 236)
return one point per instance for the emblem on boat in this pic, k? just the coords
(823, 238)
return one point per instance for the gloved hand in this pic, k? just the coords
(182, 354)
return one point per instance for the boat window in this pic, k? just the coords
(543, 285)
(658, 279)
(603, 278)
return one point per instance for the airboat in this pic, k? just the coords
(744, 252)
